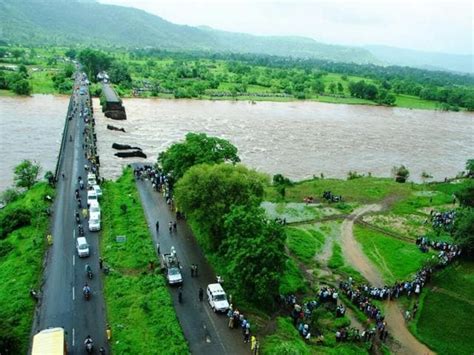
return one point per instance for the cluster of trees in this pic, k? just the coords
(63, 80)
(17, 81)
(222, 202)
(464, 223)
(302, 77)
(368, 91)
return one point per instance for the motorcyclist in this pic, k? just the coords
(88, 343)
(86, 289)
(88, 268)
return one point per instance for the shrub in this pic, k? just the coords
(12, 219)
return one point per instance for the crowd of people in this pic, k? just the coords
(447, 251)
(443, 220)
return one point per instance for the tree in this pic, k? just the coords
(400, 173)
(119, 74)
(21, 87)
(466, 196)
(198, 148)
(206, 193)
(9, 195)
(332, 88)
(26, 174)
(255, 248)
(470, 168)
(340, 88)
(94, 62)
(464, 230)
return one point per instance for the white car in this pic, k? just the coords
(97, 190)
(94, 207)
(91, 179)
(217, 298)
(94, 222)
(91, 197)
(82, 247)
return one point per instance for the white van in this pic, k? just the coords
(82, 247)
(94, 207)
(217, 298)
(94, 222)
(91, 197)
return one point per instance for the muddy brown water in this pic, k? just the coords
(297, 139)
(30, 128)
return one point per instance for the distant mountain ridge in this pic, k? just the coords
(61, 22)
(422, 59)
(69, 22)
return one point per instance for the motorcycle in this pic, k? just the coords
(81, 230)
(90, 275)
(87, 294)
(78, 218)
(89, 345)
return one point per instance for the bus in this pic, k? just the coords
(49, 341)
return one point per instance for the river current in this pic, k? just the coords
(297, 139)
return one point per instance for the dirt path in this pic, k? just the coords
(353, 251)
(407, 343)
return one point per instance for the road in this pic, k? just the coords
(62, 303)
(206, 332)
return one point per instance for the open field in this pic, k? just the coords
(21, 259)
(396, 260)
(444, 321)
(139, 305)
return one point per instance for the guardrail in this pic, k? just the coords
(64, 138)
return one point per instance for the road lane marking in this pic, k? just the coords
(73, 294)
(73, 336)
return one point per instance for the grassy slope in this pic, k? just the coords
(363, 190)
(139, 305)
(397, 260)
(304, 242)
(20, 268)
(445, 322)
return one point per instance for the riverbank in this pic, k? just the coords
(24, 225)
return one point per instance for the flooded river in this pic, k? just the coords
(297, 139)
(30, 128)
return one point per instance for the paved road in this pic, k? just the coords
(206, 332)
(62, 303)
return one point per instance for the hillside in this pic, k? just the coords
(63, 22)
(424, 60)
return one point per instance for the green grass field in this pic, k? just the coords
(415, 102)
(304, 242)
(21, 258)
(396, 260)
(445, 321)
(362, 190)
(42, 83)
(139, 306)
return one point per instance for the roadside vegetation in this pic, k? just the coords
(24, 225)
(139, 307)
(155, 73)
(444, 320)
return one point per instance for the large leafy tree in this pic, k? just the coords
(198, 148)
(255, 250)
(206, 194)
(94, 62)
(464, 230)
(26, 174)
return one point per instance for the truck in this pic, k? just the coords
(171, 267)
(49, 341)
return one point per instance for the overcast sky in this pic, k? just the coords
(430, 25)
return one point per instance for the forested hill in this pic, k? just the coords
(62, 22)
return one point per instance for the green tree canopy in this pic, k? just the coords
(401, 173)
(464, 230)
(198, 148)
(26, 174)
(94, 62)
(206, 194)
(255, 249)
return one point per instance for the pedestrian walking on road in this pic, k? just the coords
(175, 226)
(157, 226)
(158, 247)
(102, 350)
(180, 295)
(191, 267)
(108, 331)
(201, 294)
(195, 270)
(101, 263)
(246, 335)
(170, 226)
